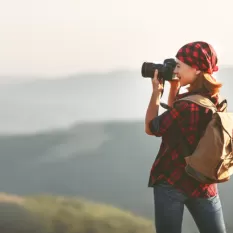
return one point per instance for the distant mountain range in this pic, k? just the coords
(43, 104)
(53, 103)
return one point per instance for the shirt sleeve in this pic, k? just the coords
(182, 110)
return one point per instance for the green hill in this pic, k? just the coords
(58, 214)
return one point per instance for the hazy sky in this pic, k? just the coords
(57, 37)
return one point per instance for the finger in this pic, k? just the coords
(156, 74)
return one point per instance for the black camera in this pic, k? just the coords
(165, 70)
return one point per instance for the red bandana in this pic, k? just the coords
(199, 55)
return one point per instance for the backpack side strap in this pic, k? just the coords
(200, 100)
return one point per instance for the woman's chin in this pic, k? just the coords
(183, 84)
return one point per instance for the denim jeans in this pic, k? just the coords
(169, 207)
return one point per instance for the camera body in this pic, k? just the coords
(165, 70)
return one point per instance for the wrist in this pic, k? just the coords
(156, 94)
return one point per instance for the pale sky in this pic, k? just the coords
(59, 37)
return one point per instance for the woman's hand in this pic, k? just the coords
(157, 86)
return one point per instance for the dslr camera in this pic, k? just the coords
(165, 70)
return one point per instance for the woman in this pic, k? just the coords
(173, 187)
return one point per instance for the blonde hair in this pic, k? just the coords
(205, 83)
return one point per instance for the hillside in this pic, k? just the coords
(58, 214)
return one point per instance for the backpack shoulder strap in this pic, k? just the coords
(200, 100)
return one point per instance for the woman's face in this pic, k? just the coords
(185, 73)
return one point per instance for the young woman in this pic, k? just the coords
(173, 187)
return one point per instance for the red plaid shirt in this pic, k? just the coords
(169, 165)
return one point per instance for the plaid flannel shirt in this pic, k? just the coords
(186, 121)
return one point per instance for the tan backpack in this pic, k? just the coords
(212, 160)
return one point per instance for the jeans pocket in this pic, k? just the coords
(210, 204)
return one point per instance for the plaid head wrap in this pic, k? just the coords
(199, 55)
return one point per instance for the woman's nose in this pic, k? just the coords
(175, 71)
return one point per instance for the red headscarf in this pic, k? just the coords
(199, 55)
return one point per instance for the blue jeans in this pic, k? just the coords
(169, 208)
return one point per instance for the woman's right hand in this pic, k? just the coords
(157, 86)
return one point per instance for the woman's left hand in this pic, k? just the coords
(157, 86)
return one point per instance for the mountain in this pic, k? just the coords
(84, 160)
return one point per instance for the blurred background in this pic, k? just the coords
(73, 102)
